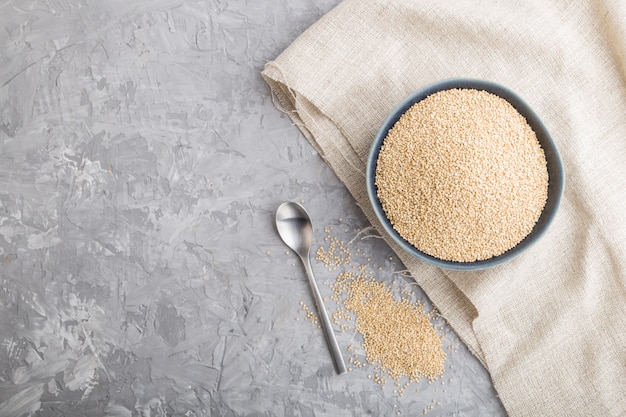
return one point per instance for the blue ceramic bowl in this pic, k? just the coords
(554, 164)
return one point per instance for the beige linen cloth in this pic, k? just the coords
(550, 326)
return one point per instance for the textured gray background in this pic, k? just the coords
(141, 163)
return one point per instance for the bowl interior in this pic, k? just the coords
(554, 165)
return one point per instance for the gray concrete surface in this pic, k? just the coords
(141, 161)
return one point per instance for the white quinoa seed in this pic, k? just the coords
(398, 335)
(462, 176)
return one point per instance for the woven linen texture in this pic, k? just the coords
(550, 326)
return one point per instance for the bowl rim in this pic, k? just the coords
(556, 174)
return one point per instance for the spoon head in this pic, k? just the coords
(294, 227)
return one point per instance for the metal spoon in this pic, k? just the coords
(295, 229)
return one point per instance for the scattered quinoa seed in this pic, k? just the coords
(462, 176)
(399, 337)
(397, 334)
(308, 313)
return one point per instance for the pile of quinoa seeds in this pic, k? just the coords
(462, 176)
(399, 337)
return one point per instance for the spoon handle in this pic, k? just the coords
(340, 366)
